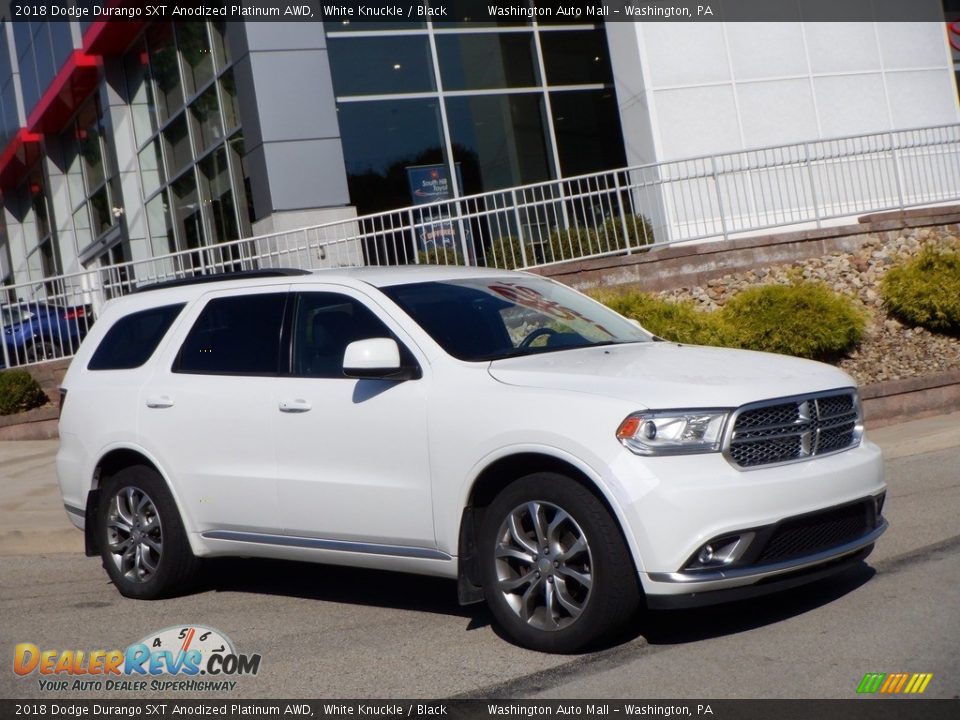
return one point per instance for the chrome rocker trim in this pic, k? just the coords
(324, 544)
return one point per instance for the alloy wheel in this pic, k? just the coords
(543, 565)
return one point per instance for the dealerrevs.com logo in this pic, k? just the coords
(184, 658)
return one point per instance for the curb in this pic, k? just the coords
(895, 401)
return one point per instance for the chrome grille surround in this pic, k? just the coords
(793, 429)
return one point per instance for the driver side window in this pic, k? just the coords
(324, 324)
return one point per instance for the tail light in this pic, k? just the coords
(75, 313)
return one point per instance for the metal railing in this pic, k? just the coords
(616, 212)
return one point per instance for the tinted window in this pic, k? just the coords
(237, 335)
(324, 324)
(133, 338)
(496, 318)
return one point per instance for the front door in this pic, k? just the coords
(352, 456)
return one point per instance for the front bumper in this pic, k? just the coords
(673, 506)
(727, 585)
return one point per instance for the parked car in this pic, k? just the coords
(34, 331)
(495, 428)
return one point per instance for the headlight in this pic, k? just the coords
(673, 432)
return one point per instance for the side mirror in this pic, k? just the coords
(376, 358)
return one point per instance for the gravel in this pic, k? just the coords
(890, 350)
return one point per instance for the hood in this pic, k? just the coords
(662, 375)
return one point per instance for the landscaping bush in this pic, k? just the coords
(639, 231)
(804, 319)
(926, 290)
(441, 256)
(571, 244)
(19, 392)
(677, 321)
(504, 253)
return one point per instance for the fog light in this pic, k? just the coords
(720, 552)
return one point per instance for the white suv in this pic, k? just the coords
(492, 427)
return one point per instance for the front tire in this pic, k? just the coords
(556, 572)
(143, 544)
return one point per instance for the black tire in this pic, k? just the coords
(40, 350)
(547, 604)
(136, 567)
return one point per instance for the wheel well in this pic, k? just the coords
(109, 465)
(488, 484)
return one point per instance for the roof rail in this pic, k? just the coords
(220, 277)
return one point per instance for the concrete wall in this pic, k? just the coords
(690, 89)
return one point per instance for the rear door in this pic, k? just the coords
(207, 413)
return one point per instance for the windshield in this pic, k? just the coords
(496, 318)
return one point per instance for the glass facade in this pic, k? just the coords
(493, 104)
(183, 97)
(95, 197)
(505, 103)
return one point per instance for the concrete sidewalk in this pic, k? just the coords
(33, 521)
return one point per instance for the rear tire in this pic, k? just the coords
(142, 540)
(556, 572)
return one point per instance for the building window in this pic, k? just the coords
(485, 111)
(91, 180)
(182, 93)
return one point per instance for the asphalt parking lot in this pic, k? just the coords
(339, 633)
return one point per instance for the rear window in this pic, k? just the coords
(133, 338)
(237, 335)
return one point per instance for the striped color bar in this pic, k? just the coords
(894, 683)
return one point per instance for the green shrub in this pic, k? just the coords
(926, 290)
(804, 319)
(19, 392)
(570, 244)
(639, 231)
(505, 253)
(677, 321)
(441, 256)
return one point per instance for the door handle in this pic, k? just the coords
(295, 406)
(160, 401)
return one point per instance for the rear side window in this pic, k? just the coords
(238, 335)
(133, 338)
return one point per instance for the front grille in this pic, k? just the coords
(795, 429)
(811, 534)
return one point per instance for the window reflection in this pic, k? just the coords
(231, 104)
(380, 140)
(479, 62)
(205, 115)
(176, 142)
(139, 93)
(151, 168)
(508, 135)
(163, 67)
(218, 196)
(390, 64)
(188, 220)
(160, 226)
(587, 127)
(197, 57)
(576, 58)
